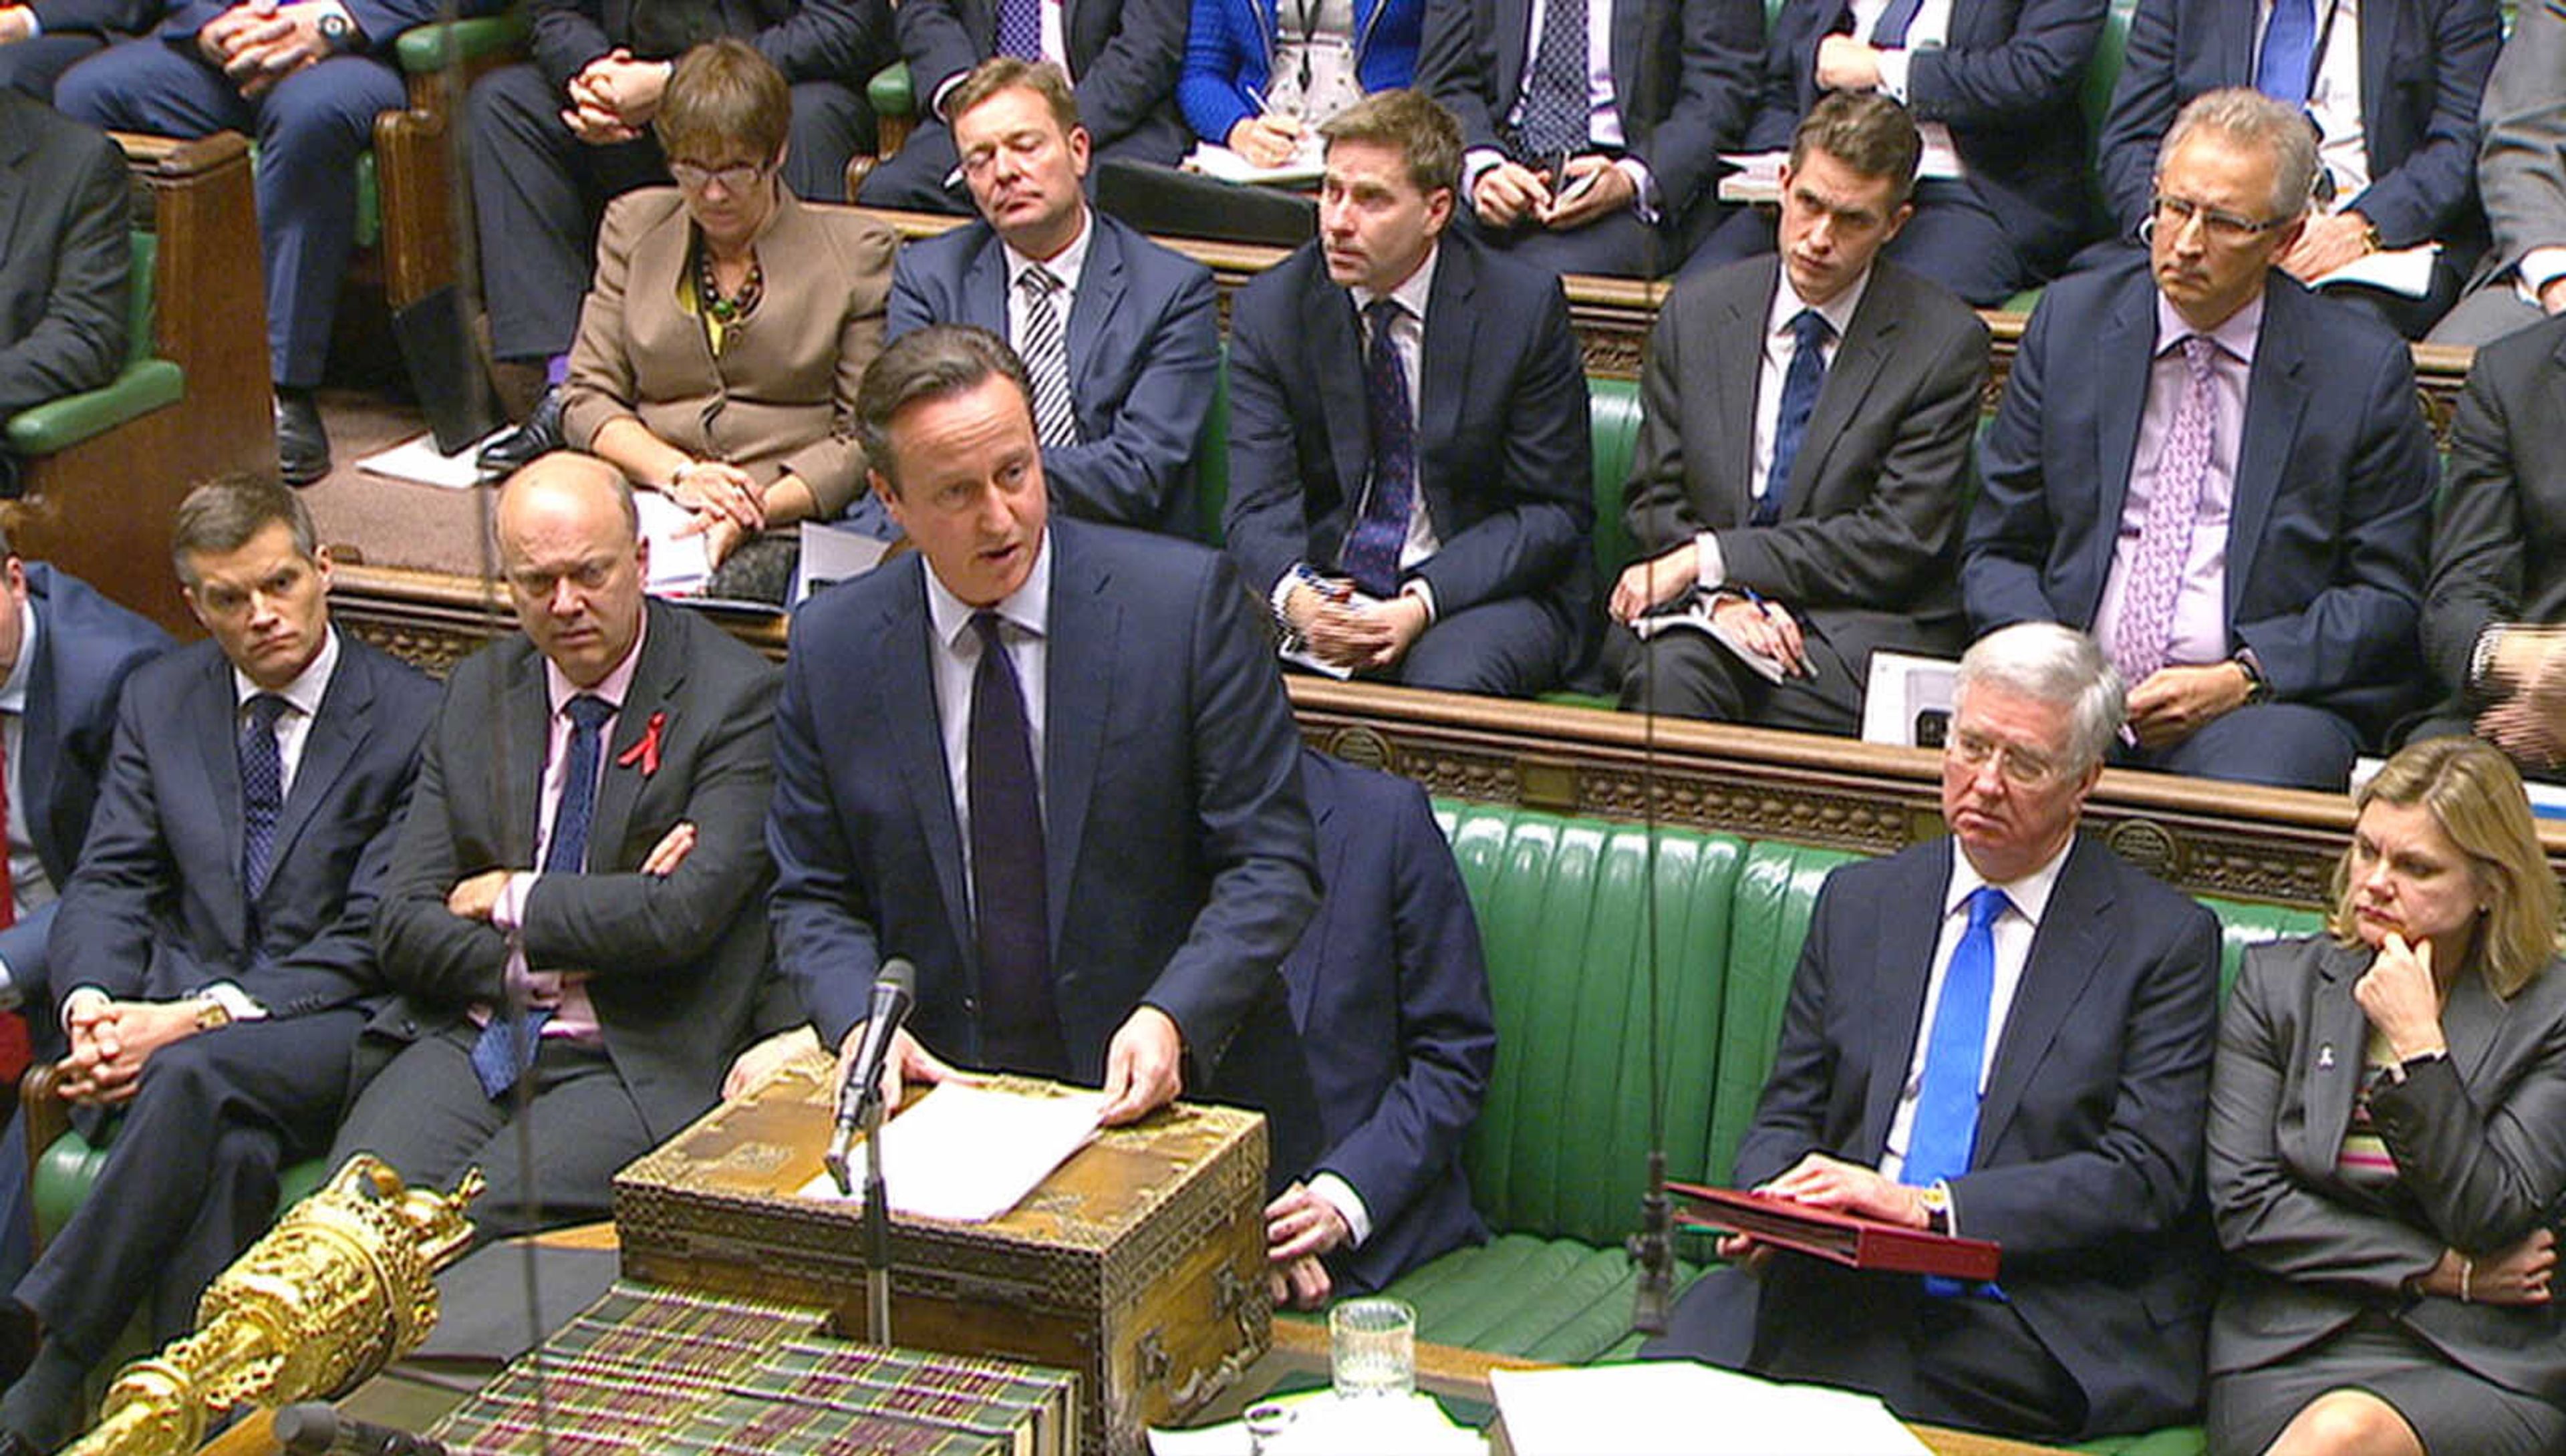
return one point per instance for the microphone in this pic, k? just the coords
(315, 1428)
(894, 991)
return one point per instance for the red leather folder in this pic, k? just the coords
(1847, 1239)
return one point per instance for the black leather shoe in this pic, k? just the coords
(302, 445)
(540, 435)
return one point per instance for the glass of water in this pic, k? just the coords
(1372, 1348)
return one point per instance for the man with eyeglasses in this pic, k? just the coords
(2002, 1035)
(2220, 475)
(1120, 336)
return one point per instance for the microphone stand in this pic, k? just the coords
(876, 1229)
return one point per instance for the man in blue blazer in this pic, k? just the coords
(1124, 53)
(1994, 86)
(1392, 999)
(1049, 763)
(2004, 1035)
(2404, 81)
(2267, 619)
(1410, 490)
(1139, 345)
(213, 951)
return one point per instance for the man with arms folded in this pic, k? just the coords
(1409, 448)
(2004, 1035)
(213, 949)
(1804, 447)
(1049, 763)
(2220, 475)
(572, 916)
(1119, 336)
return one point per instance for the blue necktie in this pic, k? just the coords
(1556, 117)
(2289, 45)
(1372, 550)
(1020, 28)
(506, 1047)
(1800, 385)
(262, 771)
(1891, 33)
(1011, 898)
(1946, 1130)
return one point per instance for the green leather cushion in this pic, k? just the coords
(71, 1163)
(423, 50)
(1776, 889)
(1212, 458)
(1537, 1299)
(890, 91)
(58, 424)
(1613, 422)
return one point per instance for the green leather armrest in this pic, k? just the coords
(890, 91)
(425, 48)
(58, 424)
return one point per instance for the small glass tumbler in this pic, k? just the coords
(1372, 1348)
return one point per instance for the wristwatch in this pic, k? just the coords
(211, 1013)
(1937, 1198)
(337, 32)
(2258, 688)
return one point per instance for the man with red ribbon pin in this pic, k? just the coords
(570, 916)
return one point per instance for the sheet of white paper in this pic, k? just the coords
(1696, 615)
(2407, 271)
(1677, 1408)
(417, 461)
(1758, 177)
(832, 554)
(969, 1154)
(1224, 165)
(1323, 1425)
(678, 564)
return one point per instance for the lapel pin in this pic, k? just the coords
(646, 752)
(2325, 1058)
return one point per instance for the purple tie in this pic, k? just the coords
(1372, 549)
(1020, 28)
(2145, 627)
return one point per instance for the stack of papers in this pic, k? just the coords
(1677, 1408)
(968, 1154)
(1307, 164)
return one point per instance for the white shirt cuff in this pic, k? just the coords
(1423, 591)
(73, 998)
(508, 911)
(1643, 197)
(1476, 163)
(11, 998)
(1950, 1208)
(1893, 73)
(2542, 267)
(233, 999)
(1710, 570)
(1340, 1195)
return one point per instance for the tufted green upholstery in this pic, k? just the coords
(1613, 422)
(1775, 893)
(890, 91)
(1212, 458)
(144, 384)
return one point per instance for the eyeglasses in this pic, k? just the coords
(2020, 766)
(695, 176)
(2221, 225)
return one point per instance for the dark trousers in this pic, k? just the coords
(538, 191)
(2287, 745)
(36, 63)
(311, 128)
(1617, 245)
(1510, 648)
(1684, 675)
(1952, 239)
(190, 1178)
(915, 179)
(426, 1115)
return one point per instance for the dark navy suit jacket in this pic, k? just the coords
(1392, 998)
(2088, 1163)
(155, 910)
(2424, 65)
(2007, 83)
(85, 647)
(1503, 446)
(64, 256)
(1144, 360)
(1178, 855)
(2333, 491)
(1124, 53)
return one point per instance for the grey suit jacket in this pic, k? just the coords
(674, 962)
(2480, 1140)
(780, 398)
(2521, 158)
(2499, 539)
(1866, 546)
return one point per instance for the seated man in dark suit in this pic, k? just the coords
(556, 138)
(2522, 180)
(1410, 488)
(1587, 163)
(42, 39)
(1994, 85)
(2004, 1035)
(65, 653)
(1108, 908)
(1392, 998)
(307, 81)
(2392, 94)
(1804, 449)
(2494, 607)
(213, 952)
(576, 936)
(1121, 336)
(2220, 475)
(64, 272)
(1121, 56)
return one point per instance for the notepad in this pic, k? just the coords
(969, 1154)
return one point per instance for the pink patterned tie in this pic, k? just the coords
(2165, 540)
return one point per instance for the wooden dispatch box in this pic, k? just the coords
(1139, 1265)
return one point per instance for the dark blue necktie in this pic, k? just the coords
(1020, 1026)
(1020, 28)
(506, 1047)
(1891, 33)
(2289, 51)
(1944, 1132)
(262, 771)
(1555, 111)
(1800, 384)
(1372, 550)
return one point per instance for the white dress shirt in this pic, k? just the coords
(1602, 106)
(1930, 30)
(1067, 265)
(2334, 95)
(1711, 567)
(953, 651)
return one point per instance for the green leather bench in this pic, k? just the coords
(144, 384)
